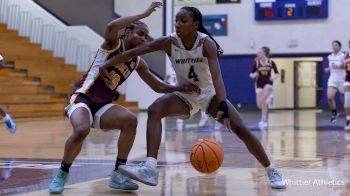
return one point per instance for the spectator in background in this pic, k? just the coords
(336, 79)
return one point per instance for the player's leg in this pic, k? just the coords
(259, 93)
(251, 142)
(347, 105)
(267, 91)
(167, 105)
(110, 117)
(81, 121)
(10, 124)
(331, 91)
(204, 119)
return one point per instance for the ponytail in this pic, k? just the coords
(197, 16)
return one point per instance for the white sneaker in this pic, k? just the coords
(276, 179)
(347, 126)
(263, 124)
(141, 173)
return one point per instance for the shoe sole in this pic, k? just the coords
(279, 187)
(113, 185)
(134, 177)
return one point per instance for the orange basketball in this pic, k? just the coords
(206, 155)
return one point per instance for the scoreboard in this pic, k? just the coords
(290, 9)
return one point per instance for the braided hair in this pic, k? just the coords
(197, 16)
(132, 26)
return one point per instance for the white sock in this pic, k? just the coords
(263, 118)
(151, 162)
(347, 117)
(7, 117)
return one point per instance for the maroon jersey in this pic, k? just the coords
(347, 67)
(94, 87)
(264, 72)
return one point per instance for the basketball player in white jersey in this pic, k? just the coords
(10, 124)
(347, 89)
(336, 79)
(194, 56)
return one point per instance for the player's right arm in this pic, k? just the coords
(113, 28)
(254, 73)
(163, 43)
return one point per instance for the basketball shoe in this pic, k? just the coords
(121, 182)
(142, 173)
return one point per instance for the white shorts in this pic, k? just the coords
(94, 119)
(259, 90)
(339, 85)
(197, 102)
(346, 84)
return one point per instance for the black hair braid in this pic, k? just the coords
(197, 16)
(132, 27)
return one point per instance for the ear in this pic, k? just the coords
(128, 32)
(196, 24)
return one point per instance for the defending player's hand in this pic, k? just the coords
(152, 8)
(327, 70)
(105, 76)
(223, 115)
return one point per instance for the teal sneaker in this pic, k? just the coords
(141, 173)
(57, 184)
(121, 182)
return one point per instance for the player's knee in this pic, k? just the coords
(153, 111)
(347, 99)
(330, 98)
(131, 123)
(81, 132)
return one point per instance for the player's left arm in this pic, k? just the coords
(210, 51)
(275, 70)
(158, 85)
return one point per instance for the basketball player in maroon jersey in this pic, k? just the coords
(347, 89)
(91, 103)
(262, 72)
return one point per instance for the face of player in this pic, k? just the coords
(138, 35)
(261, 54)
(185, 24)
(336, 47)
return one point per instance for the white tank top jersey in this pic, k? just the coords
(1, 58)
(336, 74)
(190, 66)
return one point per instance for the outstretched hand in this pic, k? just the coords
(152, 8)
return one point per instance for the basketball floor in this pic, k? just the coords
(313, 155)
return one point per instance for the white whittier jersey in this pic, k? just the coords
(337, 59)
(1, 58)
(190, 66)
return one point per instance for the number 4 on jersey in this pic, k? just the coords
(192, 74)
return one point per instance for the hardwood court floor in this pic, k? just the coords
(313, 155)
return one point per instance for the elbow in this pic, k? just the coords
(160, 89)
